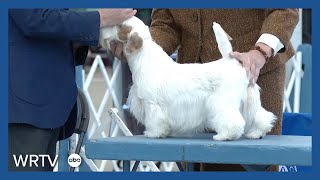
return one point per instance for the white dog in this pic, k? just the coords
(175, 99)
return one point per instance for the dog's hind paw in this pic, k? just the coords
(223, 137)
(255, 135)
(219, 138)
(153, 134)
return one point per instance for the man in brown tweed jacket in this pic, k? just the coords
(190, 30)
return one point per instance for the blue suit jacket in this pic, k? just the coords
(42, 88)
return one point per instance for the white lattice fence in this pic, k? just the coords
(98, 126)
(294, 85)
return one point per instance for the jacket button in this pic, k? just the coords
(195, 17)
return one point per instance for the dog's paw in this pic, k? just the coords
(152, 134)
(255, 135)
(219, 138)
(224, 137)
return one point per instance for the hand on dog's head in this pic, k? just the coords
(134, 43)
(121, 49)
(127, 39)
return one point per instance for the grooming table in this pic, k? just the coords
(272, 149)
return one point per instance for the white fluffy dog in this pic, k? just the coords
(182, 99)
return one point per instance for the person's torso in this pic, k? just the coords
(41, 77)
(198, 44)
(198, 40)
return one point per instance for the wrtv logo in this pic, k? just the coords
(34, 160)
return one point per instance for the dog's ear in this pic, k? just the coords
(135, 42)
(123, 32)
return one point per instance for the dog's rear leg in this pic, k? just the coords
(262, 120)
(228, 124)
(155, 122)
(225, 119)
(262, 124)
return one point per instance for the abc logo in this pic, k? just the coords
(74, 160)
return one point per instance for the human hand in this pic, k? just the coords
(253, 61)
(116, 48)
(111, 17)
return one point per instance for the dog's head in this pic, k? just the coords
(131, 33)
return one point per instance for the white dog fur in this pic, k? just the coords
(182, 99)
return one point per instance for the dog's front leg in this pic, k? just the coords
(156, 126)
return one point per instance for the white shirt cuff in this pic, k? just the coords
(272, 41)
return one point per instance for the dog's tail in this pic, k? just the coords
(222, 39)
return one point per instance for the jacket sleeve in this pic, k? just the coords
(281, 23)
(81, 27)
(164, 30)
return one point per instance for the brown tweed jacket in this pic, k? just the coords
(191, 31)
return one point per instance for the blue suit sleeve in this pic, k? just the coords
(80, 27)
